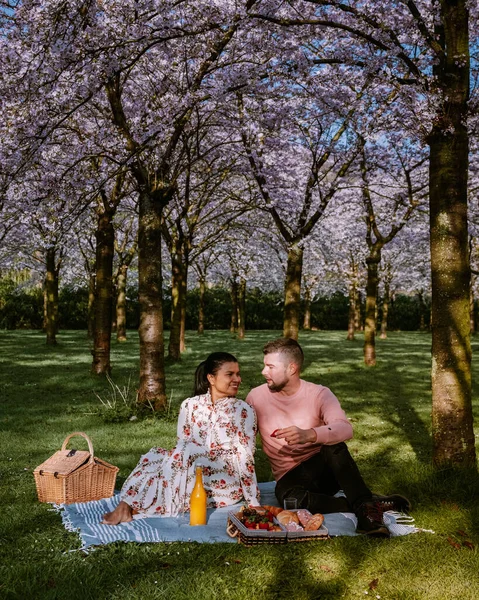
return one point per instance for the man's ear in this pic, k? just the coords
(293, 368)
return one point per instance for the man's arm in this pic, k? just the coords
(336, 428)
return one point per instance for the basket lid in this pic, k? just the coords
(64, 462)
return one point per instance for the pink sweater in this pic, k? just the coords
(312, 407)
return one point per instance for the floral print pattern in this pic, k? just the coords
(220, 436)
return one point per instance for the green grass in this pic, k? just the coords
(47, 393)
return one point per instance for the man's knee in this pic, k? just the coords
(335, 451)
(336, 448)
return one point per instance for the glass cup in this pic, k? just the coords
(290, 503)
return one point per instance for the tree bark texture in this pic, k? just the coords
(105, 248)
(307, 310)
(51, 298)
(91, 306)
(358, 321)
(384, 316)
(292, 292)
(121, 280)
(234, 304)
(183, 304)
(452, 423)
(201, 306)
(422, 311)
(242, 308)
(371, 303)
(352, 312)
(472, 309)
(152, 360)
(179, 268)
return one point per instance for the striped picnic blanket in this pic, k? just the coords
(85, 519)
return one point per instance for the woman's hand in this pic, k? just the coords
(295, 435)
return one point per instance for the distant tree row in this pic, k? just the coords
(23, 309)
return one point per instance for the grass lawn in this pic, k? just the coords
(47, 393)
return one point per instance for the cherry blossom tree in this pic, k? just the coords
(296, 152)
(126, 249)
(422, 48)
(210, 195)
(146, 67)
(342, 236)
(390, 194)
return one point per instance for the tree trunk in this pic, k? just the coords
(178, 288)
(452, 422)
(370, 319)
(114, 297)
(121, 303)
(183, 301)
(105, 248)
(352, 316)
(234, 304)
(91, 306)
(307, 310)
(358, 324)
(51, 298)
(422, 311)
(152, 360)
(241, 308)
(384, 318)
(292, 292)
(201, 306)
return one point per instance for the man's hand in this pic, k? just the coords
(295, 435)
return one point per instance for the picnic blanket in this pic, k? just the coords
(85, 519)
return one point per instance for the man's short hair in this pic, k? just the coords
(286, 346)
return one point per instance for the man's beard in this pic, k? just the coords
(276, 387)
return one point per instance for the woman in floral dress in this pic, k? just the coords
(216, 430)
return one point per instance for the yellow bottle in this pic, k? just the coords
(198, 500)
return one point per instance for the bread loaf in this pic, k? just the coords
(304, 516)
(287, 516)
(274, 510)
(314, 522)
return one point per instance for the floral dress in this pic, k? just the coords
(221, 437)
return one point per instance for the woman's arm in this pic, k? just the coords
(245, 449)
(183, 428)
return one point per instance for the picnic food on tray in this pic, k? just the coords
(254, 525)
(258, 518)
(264, 517)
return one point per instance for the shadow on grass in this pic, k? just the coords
(46, 393)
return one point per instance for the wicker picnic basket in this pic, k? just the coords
(74, 475)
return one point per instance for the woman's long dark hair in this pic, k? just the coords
(210, 366)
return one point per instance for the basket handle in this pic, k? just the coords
(83, 435)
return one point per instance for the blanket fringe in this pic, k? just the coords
(402, 524)
(60, 508)
(401, 518)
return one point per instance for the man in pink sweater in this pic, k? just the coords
(303, 429)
